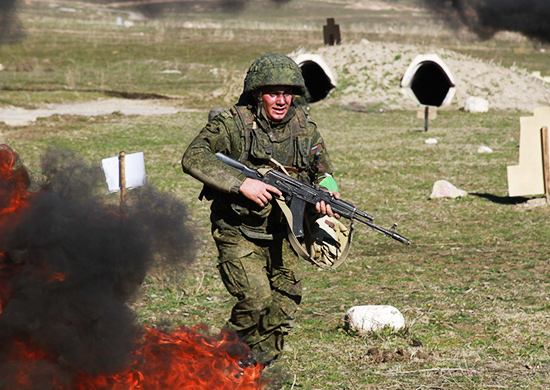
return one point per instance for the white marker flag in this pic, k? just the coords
(135, 171)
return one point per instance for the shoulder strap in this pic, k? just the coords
(302, 118)
(239, 116)
(246, 124)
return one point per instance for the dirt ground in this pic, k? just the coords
(368, 75)
(17, 116)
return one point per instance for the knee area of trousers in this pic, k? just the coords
(257, 303)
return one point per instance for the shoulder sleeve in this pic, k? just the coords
(219, 135)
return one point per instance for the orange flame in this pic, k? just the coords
(54, 276)
(14, 181)
(182, 359)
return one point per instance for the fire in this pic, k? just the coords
(181, 359)
(54, 276)
(184, 358)
(14, 181)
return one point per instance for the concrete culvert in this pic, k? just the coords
(317, 82)
(430, 84)
(429, 81)
(318, 76)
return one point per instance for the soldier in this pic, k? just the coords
(256, 262)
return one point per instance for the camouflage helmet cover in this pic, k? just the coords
(274, 69)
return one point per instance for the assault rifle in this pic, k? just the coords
(298, 194)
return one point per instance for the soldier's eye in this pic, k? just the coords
(275, 95)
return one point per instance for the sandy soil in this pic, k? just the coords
(17, 116)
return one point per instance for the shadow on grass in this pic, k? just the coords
(502, 199)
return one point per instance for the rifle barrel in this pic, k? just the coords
(387, 232)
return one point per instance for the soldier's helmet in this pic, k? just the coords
(274, 69)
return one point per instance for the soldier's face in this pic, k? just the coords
(276, 101)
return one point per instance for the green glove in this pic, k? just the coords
(329, 183)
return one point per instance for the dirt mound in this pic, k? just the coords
(369, 74)
(376, 355)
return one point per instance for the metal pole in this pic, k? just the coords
(426, 115)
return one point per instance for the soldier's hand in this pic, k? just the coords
(258, 191)
(325, 209)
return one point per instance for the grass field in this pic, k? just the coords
(473, 286)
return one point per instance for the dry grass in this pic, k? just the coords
(474, 285)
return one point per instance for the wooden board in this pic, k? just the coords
(527, 178)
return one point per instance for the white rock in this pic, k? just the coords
(484, 149)
(431, 141)
(538, 75)
(372, 317)
(444, 189)
(476, 104)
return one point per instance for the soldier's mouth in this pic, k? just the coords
(280, 111)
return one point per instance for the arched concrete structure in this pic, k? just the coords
(318, 76)
(429, 81)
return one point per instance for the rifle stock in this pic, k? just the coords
(297, 194)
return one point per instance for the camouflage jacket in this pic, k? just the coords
(242, 134)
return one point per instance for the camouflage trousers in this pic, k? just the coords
(261, 274)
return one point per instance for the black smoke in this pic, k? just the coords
(487, 17)
(11, 28)
(155, 8)
(70, 262)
